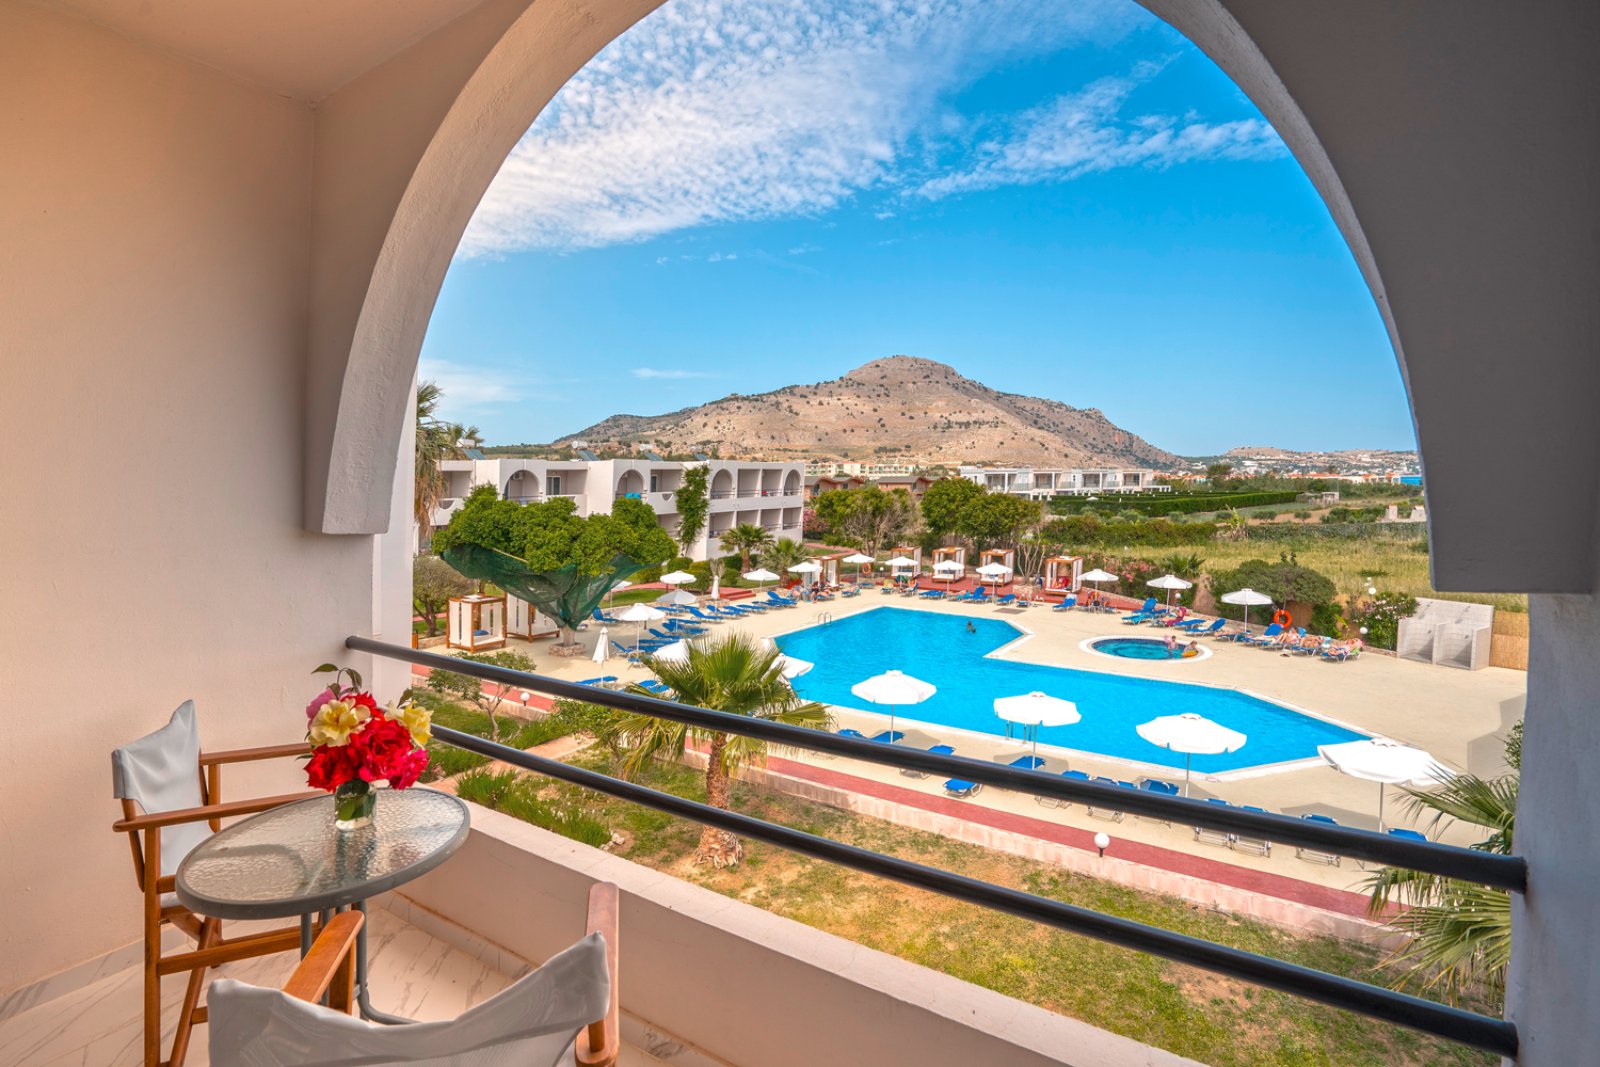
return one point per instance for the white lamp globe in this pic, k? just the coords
(1363, 629)
(1102, 841)
(1372, 590)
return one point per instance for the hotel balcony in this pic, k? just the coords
(224, 228)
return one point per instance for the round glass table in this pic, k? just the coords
(291, 860)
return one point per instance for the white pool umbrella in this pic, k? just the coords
(1097, 576)
(678, 578)
(1191, 734)
(676, 597)
(760, 574)
(1037, 709)
(994, 571)
(858, 558)
(1171, 583)
(808, 567)
(948, 569)
(641, 614)
(677, 652)
(792, 668)
(894, 688)
(602, 647)
(897, 562)
(619, 587)
(1385, 761)
(1247, 597)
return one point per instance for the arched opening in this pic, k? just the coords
(522, 486)
(722, 485)
(631, 483)
(791, 483)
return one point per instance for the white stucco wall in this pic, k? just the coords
(154, 238)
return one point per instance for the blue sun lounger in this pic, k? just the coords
(1067, 604)
(1026, 763)
(654, 687)
(937, 750)
(959, 787)
(883, 737)
(1057, 802)
(1103, 812)
(1317, 855)
(604, 680)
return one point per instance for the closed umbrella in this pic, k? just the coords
(1247, 597)
(1171, 583)
(1035, 710)
(677, 578)
(1192, 735)
(602, 647)
(1385, 761)
(894, 688)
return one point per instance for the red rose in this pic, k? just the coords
(379, 748)
(330, 767)
(411, 767)
(365, 700)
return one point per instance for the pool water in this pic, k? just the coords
(1136, 648)
(938, 648)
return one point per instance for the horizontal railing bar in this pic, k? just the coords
(1453, 1024)
(1502, 872)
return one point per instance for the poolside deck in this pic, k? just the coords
(1459, 716)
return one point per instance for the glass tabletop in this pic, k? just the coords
(292, 860)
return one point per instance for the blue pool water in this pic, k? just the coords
(937, 648)
(1136, 648)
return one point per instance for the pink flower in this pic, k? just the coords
(317, 701)
(409, 769)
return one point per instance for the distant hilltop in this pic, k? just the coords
(896, 410)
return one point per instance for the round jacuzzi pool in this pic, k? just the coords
(1145, 648)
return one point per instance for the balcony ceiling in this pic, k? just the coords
(303, 49)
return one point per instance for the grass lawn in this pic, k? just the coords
(1394, 566)
(1189, 1012)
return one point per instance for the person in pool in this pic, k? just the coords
(1172, 645)
(971, 629)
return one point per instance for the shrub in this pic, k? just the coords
(518, 797)
(483, 787)
(1283, 581)
(1381, 616)
(1302, 514)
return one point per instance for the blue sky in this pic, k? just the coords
(1064, 200)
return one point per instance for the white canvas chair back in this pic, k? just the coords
(161, 772)
(532, 1023)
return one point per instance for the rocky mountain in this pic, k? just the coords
(895, 410)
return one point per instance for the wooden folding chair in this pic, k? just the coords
(171, 796)
(570, 1002)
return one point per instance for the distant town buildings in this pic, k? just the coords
(831, 468)
(1041, 483)
(769, 495)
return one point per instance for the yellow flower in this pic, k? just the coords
(335, 721)
(417, 719)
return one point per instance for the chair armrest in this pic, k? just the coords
(158, 819)
(247, 755)
(600, 1042)
(327, 968)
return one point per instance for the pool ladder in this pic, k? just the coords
(825, 618)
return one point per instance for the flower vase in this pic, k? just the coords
(353, 805)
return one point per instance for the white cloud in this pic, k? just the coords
(804, 249)
(710, 112)
(668, 372)
(1086, 132)
(470, 388)
(719, 257)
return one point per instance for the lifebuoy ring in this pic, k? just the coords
(1281, 617)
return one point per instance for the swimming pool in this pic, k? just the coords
(1146, 648)
(938, 648)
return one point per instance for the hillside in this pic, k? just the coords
(899, 409)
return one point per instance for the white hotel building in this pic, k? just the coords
(769, 495)
(1042, 483)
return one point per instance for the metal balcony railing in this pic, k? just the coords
(1453, 1024)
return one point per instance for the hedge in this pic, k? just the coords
(1168, 503)
(1337, 531)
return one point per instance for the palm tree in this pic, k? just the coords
(735, 674)
(436, 440)
(783, 554)
(744, 539)
(1460, 932)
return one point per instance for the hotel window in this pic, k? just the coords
(552, 485)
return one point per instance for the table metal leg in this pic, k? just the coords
(305, 934)
(368, 1012)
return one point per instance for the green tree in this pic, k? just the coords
(783, 554)
(733, 673)
(691, 499)
(744, 539)
(486, 696)
(433, 583)
(996, 518)
(867, 516)
(436, 441)
(944, 502)
(550, 556)
(1217, 473)
(1283, 581)
(1459, 932)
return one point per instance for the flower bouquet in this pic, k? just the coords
(357, 744)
